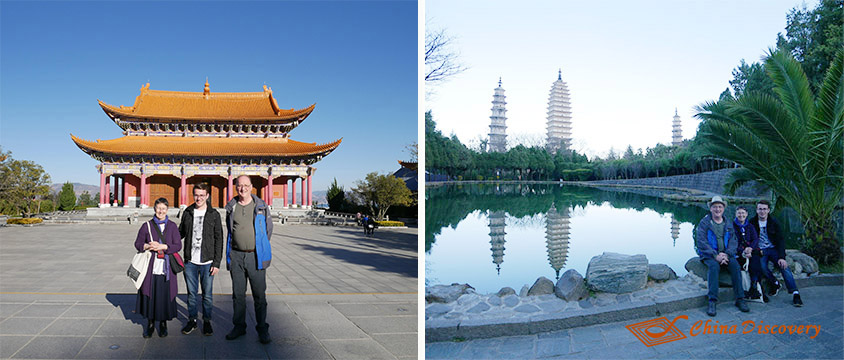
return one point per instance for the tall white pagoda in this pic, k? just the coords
(676, 131)
(559, 116)
(498, 119)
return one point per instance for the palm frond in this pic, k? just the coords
(791, 85)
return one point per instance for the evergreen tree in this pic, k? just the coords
(336, 197)
(67, 198)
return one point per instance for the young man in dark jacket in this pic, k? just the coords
(772, 245)
(717, 245)
(202, 231)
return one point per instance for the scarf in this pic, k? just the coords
(742, 228)
(162, 240)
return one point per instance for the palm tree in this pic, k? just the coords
(790, 141)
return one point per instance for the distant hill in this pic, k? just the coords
(77, 188)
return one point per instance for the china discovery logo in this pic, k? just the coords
(657, 331)
(660, 330)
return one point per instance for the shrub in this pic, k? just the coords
(386, 223)
(24, 221)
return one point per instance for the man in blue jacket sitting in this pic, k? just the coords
(716, 245)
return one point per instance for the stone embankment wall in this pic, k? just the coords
(712, 181)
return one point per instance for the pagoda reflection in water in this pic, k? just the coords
(675, 229)
(557, 230)
(497, 221)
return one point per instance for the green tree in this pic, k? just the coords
(379, 192)
(336, 197)
(749, 78)
(67, 198)
(814, 37)
(22, 183)
(791, 142)
(85, 199)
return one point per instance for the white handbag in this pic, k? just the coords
(745, 276)
(745, 283)
(138, 268)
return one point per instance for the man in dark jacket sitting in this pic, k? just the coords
(773, 250)
(202, 231)
(716, 245)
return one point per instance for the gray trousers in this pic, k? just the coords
(714, 273)
(244, 266)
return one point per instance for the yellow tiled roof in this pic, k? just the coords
(217, 106)
(204, 146)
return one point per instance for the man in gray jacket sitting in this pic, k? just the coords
(716, 245)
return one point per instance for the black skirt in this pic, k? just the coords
(157, 306)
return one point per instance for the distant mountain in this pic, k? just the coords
(78, 189)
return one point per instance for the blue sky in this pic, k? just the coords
(628, 64)
(356, 60)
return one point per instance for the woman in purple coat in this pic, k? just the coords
(157, 295)
(749, 247)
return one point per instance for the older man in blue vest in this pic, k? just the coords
(716, 245)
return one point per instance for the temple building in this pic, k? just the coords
(557, 229)
(175, 139)
(498, 120)
(676, 130)
(559, 116)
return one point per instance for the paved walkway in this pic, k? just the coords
(614, 341)
(332, 293)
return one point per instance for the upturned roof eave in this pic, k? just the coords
(294, 116)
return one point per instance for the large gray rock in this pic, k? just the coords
(809, 265)
(506, 291)
(661, 272)
(542, 286)
(617, 273)
(446, 293)
(571, 287)
(694, 266)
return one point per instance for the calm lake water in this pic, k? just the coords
(491, 236)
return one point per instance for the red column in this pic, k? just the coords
(143, 196)
(303, 192)
(125, 194)
(284, 192)
(108, 190)
(183, 191)
(293, 191)
(270, 191)
(310, 192)
(102, 187)
(230, 194)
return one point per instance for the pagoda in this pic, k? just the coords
(676, 130)
(174, 140)
(559, 116)
(498, 121)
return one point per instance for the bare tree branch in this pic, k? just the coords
(440, 60)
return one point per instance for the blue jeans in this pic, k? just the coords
(713, 273)
(770, 254)
(203, 273)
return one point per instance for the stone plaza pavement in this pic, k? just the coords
(823, 306)
(333, 294)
